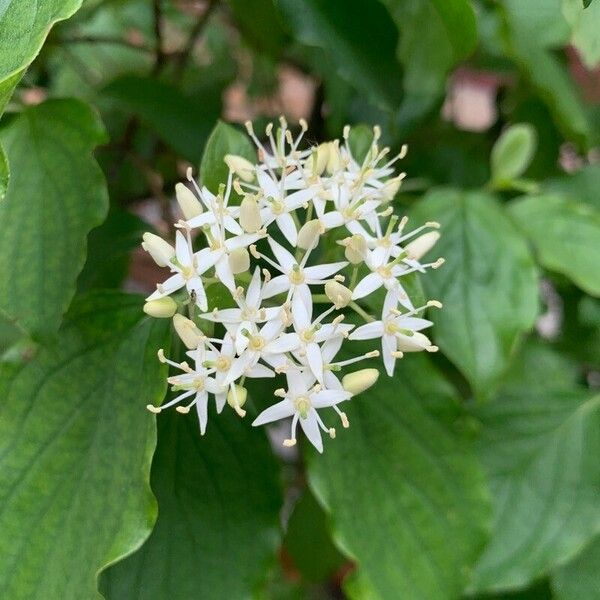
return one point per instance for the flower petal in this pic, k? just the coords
(327, 398)
(278, 411)
(367, 285)
(368, 331)
(315, 360)
(174, 283)
(202, 410)
(275, 286)
(311, 429)
(286, 342)
(253, 291)
(300, 313)
(283, 256)
(182, 250)
(288, 228)
(319, 272)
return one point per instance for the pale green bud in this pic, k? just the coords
(391, 187)
(359, 381)
(187, 330)
(162, 252)
(309, 233)
(241, 395)
(356, 248)
(339, 294)
(241, 166)
(239, 260)
(163, 308)
(317, 161)
(414, 343)
(250, 214)
(188, 203)
(334, 158)
(421, 245)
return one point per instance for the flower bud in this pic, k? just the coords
(413, 343)
(422, 245)
(241, 166)
(188, 203)
(339, 294)
(163, 308)
(250, 214)
(309, 233)
(334, 158)
(241, 395)
(239, 260)
(162, 252)
(187, 330)
(317, 161)
(356, 249)
(359, 381)
(391, 187)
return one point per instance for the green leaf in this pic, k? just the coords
(181, 121)
(24, 25)
(308, 542)
(581, 186)
(580, 578)
(403, 487)
(75, 449)
(584, 36)
(223, 140)
(531, 30)
(358, 35)
(488, 284)
(218, 499)
(512, 154)
(540, 445)
(56, 195)
(4, 174)
(109, 250)
(360, 140)
(566, 236)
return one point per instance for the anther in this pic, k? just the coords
(249, 128)
(332, 432)
(432, 348)
(289, 443)
(397, 354)
(339, 278)
(372, 354)
(184, 410)
(254, 252)
(434, 303)
(280, 393)
(438, 263)
(161, 356)
(153, 409)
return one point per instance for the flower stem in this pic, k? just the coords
(363, 313)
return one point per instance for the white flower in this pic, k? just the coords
(302, 403)
(194, 382)
(349, 210)
(399, 333)
(295, 276)
(187, 267)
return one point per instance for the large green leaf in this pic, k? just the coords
(540, 443)
(224, 139)
(182, 121)
(566, 236)
(488, 284)
(403, 487)
(75, 449)
(55, 195)
(580, 578)
(4, 174)
(218, 499)
(358, 35)
(24, 25)
(581, 186)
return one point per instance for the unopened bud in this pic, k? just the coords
(334, 158)
(188, 203)
(309, 233)
(187, 330)
(339, 294)
(162, 252)
(317, 161)
(413, 343)
(163, 308)
(359, 381)
(237, 396)
(239, 260)
(241, 166)
(421, 245)
(391, 187)
(250, 214)
(356, 249)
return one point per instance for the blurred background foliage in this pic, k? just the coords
(474, 474)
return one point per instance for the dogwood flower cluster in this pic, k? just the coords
(286, 248)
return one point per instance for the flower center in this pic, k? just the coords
(248, 313)
(277, 207)
(302, 405)
(222, 363)
(385, 272)
(257, 342)
(198, 383)
(296, 275)
(308, 335)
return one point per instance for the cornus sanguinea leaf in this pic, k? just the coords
(265, 250)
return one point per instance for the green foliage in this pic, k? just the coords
(579, 578)
(229, 504)
(384, 513)
(512, 154)
(76, 449)
(488, 286)
(55, 195)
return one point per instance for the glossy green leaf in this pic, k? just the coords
(181, 121)
(488, 284)
(532, 29)
(4, 174)
(581, 186)
(400, 483)
(358, 36)
(56, 195)
(218, 501)
(75, 449)
(584, 36)
(224, 139)
(566, 236)
(360, 140)
(512, 153)
(540, 442)
(24, 25)
(580, 578)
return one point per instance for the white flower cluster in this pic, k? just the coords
(269, 328)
